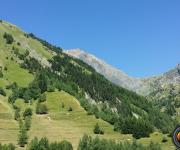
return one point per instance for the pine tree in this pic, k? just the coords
(17, 114)
(27, 122)
(22, 139)
(97, 129)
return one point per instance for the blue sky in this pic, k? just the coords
(140, 37)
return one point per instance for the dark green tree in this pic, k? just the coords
(17, 114)
(27, 112)
(41, 109)
(9, 38)
(2, 92)
(42, 97)
(27, 122)
(97, 129)
(22, 138)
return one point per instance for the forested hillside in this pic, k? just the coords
(35, 75)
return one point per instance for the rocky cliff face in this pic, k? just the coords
(143, 86)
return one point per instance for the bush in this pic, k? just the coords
(164, 140)
(50, 88)
(5, 68)
(2, 92)
(18, 43)
(17, 114)
(41, 109)
(88, 143)
(7, 147)
(12, 86)
(70, 109)
(22, 139)
(42, 98)
(62, 105)
(1, 74)
(97, 129)
(27, 123)
(9, 38)
(43, 144)
(27, 112)
(66, 145)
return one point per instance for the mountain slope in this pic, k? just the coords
(142, 86)
(114, 75)
(40, 68)
(62, 124)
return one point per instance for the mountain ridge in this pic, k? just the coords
(143, 86)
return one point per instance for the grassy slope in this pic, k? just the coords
(14, 73)
(8, 126)
(59, 124)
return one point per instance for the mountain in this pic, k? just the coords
(143, 86)
(46, 93)
(114, 75)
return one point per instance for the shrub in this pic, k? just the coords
(2, 92)
(70, 109)
(22, 137)
(11, 99)
(7, 147)
(62, 105)
(88, 143)
(27, 123)
(97, 129)
(12, 86)
(66, 145)
(1, 74)
(50, 88)
(17, 114)
(41, 109)
(27, 112)
(5, 68)
(26, 53)
(9, 38)
(42, 98)
(43, 144)
(164, 140)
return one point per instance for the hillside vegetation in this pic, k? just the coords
(46, 93)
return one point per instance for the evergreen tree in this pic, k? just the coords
(27, 112)
(66, 145)
(9, 38)
(2, 92)
(22, 139)
(42, 97)
(27, 122)
(17, 114)
(41, 109)
(1, 73)
(97, 129)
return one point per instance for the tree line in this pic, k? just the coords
(86, 143)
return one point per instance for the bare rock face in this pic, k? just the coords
(142, 86)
